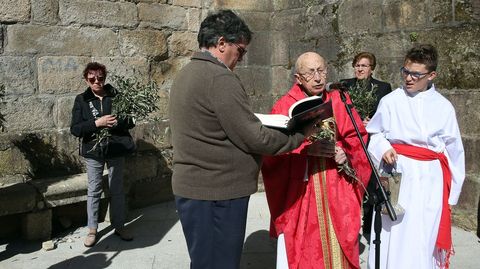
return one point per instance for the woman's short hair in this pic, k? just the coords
(94, 66)
(367, 55)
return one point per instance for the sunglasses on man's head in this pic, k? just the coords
(93, 79)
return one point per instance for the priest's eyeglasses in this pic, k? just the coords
(414, 75)
(309, 75)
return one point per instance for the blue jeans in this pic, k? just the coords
(214, 231)
(115, 185)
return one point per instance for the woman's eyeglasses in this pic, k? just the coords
(93, 79)
(358, 66)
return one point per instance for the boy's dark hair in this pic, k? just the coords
(423, 54)
(94, 66)
(223, 23)
(368, 55)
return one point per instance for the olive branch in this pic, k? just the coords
(363, 98)
(133, 100)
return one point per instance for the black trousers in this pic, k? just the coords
(214, 231)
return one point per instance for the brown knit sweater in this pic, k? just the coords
(218, 142)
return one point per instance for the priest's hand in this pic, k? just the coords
(322, 148)
(390, 156)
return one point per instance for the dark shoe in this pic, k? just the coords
(90, 240)
(124, 234)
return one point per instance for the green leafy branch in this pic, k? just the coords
(134, 100)
(363, 98)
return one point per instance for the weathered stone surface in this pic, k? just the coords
(142, 166)
(282, 80)
(187, 3)
(400, 15)
(164, 72)
(62, 111)
(151, 136)
(368, 18)
(37, 225)
(194, 17)
(61, 74)
(262, 104)
(14, 11)
(35, 113)
(289, 21)
(465, 213)
(55, 40)
(1, 38)
(321, 21)
(183, 43)
(467, 117)
(17, 198)
(125, 66)
(13, 162)
(255, 80)
(162, 16)
(45, 11)
(279, 48)
(17, 75)
(441, 11)
(258, 52)
(99, 13)
(472, 154)
(257, 5)
(64, 190)
(143, 43)
(257, 21)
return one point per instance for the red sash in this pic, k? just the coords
(444, 237)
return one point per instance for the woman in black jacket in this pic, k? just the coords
(92, 112)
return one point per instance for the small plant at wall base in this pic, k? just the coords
(413, 37)
(134, 99)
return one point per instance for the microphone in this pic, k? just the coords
(341, 86)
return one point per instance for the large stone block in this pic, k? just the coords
(441, 12)
(465, 213)
(152, 135)
(472, 154)
(282, 80)
(62, 111)
(162, 16)
(321, 21)
(17, 198)
(279, 48)
(127, 67)
(14, 11)
(368, 18)
(257, 20)
(401, 15)
(12, 162)
(256, 80)
(35, 114)
(142, 166)
(143, 42)
(183, 43)
(37, 225)
(45, 11)
(163, 72)
(466, 107)
(258, 52)
(98, 13)
(289, 21)
(57, 40)
(61, 74)
(257, 5)
(17, 74)
(187, 3)
(194, 19)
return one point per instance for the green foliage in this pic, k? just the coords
(413, 37)
(363, 98)
(134, 99)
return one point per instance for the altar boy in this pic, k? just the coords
(415, 131)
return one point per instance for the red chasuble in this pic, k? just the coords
(320, 218)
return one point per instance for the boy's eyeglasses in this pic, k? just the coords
(93, 79)
(414, 75)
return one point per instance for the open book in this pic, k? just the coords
(300, 113)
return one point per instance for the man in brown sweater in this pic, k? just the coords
(218, 144)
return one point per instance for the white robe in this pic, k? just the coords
(426, 120)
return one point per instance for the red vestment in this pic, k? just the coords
(306, 211)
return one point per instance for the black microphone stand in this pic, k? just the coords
(377, 198)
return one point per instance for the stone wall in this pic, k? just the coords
(45, 44)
